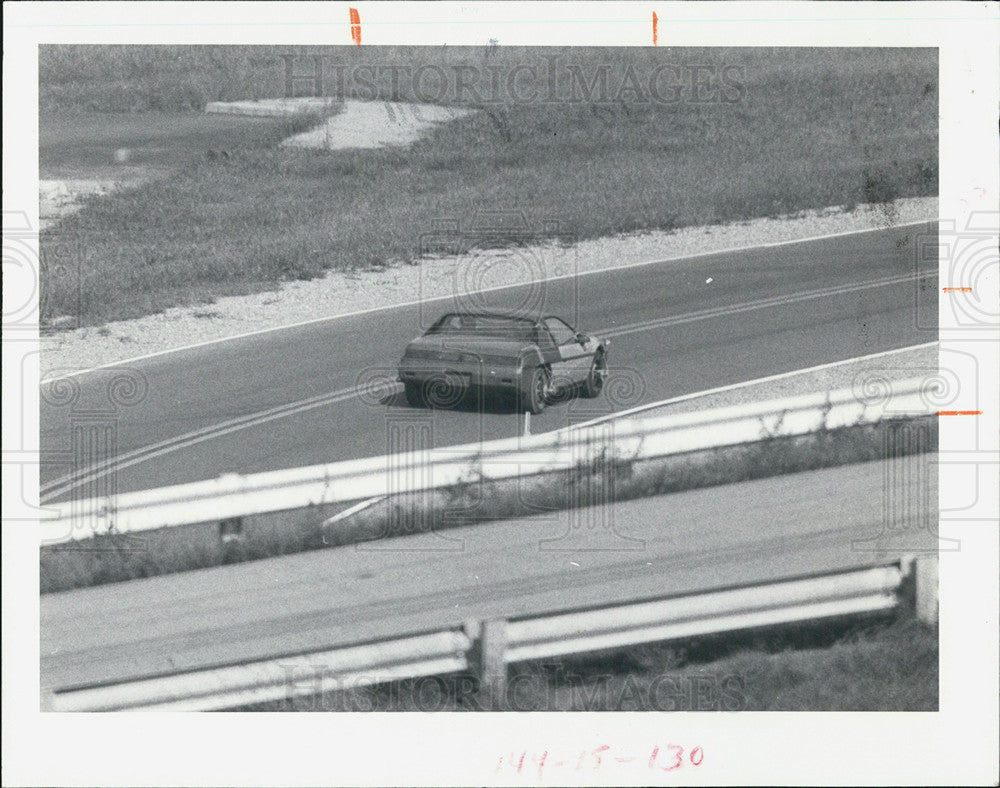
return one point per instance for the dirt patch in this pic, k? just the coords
(364, 124)
(358, 124)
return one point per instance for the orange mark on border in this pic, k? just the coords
(959, 413)
(957, 289)
(355, 26)
(655, 21)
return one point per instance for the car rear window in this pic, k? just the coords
(485, 325)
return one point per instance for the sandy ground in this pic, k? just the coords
(59, 198)
(364, 124)
(341, 293)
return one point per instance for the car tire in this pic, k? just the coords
(533, 391)
(594, 383)
(414, 395)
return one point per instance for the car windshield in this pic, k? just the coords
(485, 325)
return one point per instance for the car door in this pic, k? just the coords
(574, 357)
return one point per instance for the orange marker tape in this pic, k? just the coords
(959, 413)
(957, 289)
(655, 20)
(355, 26)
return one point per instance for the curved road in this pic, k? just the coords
(794, 525)
(323, 392)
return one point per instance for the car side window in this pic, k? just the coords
(561, 333)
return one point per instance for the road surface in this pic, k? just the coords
(290, 397)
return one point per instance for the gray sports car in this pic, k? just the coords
(532, 359)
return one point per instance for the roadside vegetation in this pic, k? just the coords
(889, 664)
(773, 131)
(135, 79)
(110, 558)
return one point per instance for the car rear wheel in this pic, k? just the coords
(595, 378)
(414, 396)
(535, 390)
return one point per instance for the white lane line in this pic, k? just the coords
(137, 456)
(122, 461)
(743, 384)
(605, 270)
(763, 304)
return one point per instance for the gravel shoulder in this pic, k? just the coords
(340, 293)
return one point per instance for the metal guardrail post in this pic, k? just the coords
(919, 592)
(925, 570)
(491, 664)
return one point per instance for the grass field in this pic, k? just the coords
(888, 665)
(131, 79)
(775, 131)
(95, 145)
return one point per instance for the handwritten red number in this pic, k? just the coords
(597, 754)
(678, 758)
(541, 762)
(701, 756)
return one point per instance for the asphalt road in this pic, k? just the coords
(290, 397)
(786, 526)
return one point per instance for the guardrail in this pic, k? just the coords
(234, 496)
(486, 649)
(274, 679)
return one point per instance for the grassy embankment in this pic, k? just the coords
(800, 129)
